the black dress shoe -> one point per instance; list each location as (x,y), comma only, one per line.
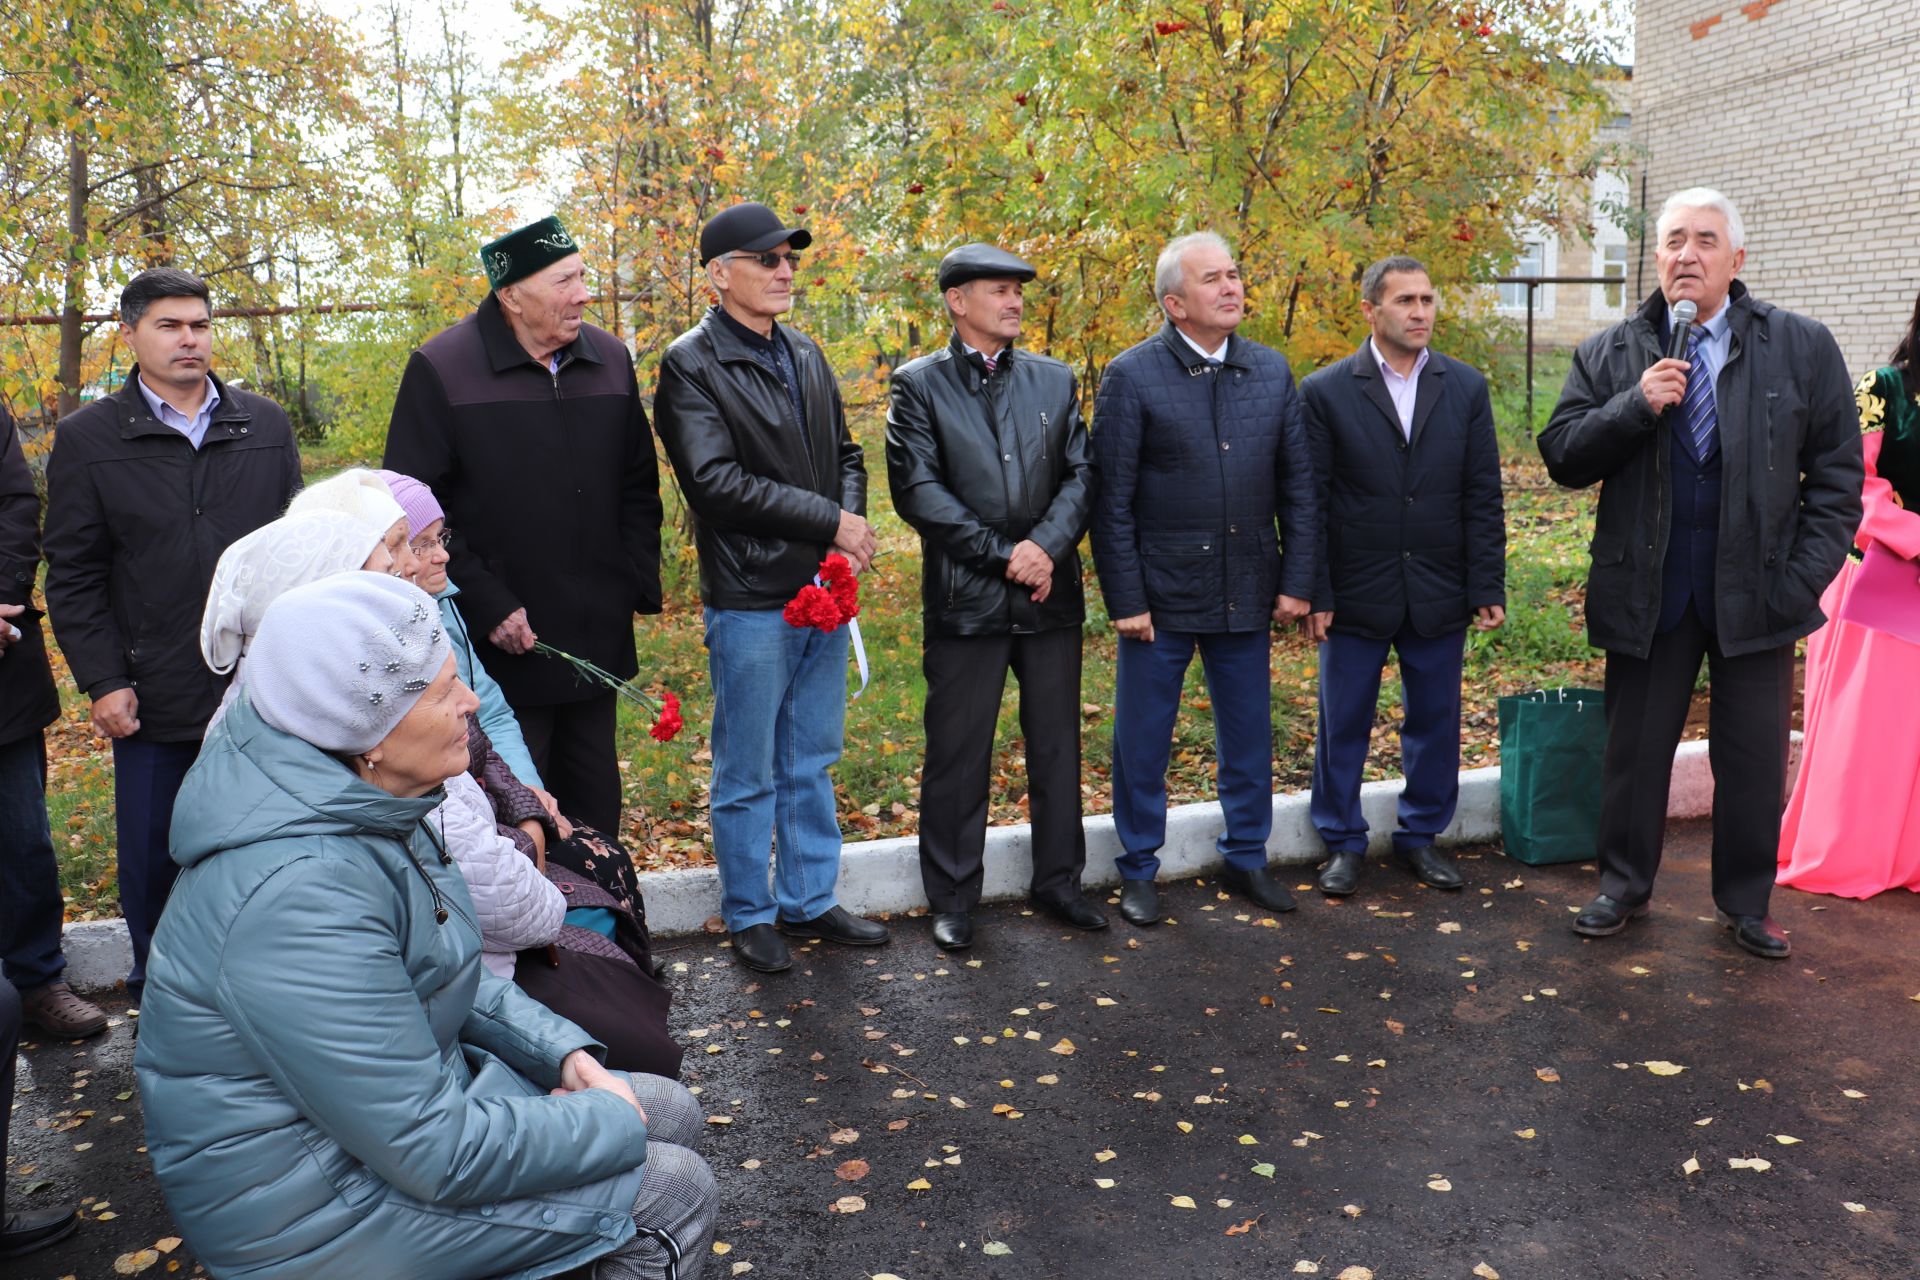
(1076,911)
(1341,874)
(952,930)
(837,924)
(1258,885)
(1139,902)
(25,1231)
(1432,867)
(758,947)
(1604,917)
(1758,935)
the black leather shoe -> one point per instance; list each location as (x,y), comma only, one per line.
(758,947)
(1076,911)
(1258,885)
(1758,935)
(31,1229)
(1341,874)
(1604,917)
(1430,866)
(952,930)
(838,925)
(1139,902)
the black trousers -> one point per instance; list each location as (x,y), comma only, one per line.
(572,746)
(10,1019)
(965,677)
(1752,710)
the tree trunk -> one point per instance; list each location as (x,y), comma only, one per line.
(73,304)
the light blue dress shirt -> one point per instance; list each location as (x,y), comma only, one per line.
(194,428)
(1717,344)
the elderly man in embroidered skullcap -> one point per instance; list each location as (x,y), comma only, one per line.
(526,422)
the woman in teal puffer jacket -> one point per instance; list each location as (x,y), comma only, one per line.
(333,1085)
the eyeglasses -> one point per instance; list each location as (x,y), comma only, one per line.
(420,546)
(771,260)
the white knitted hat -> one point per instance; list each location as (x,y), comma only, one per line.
(358,492)
(274,558)
(340,661)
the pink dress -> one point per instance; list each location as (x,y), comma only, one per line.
(1852,826)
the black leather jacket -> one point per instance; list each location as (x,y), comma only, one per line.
(979,464)
(766,495)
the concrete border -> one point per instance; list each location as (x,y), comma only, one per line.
(884,875)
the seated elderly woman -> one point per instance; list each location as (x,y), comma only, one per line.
(362,494)
(333,1083)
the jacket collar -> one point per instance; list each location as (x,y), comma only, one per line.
(970,369)
(1425,395)
(1192,361)
(1742,308)
(729,345)
(319,780)
(136,416)
(504,350)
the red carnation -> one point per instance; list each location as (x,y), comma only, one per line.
(668,723)
(812,607)
(836,575)
(1169,28)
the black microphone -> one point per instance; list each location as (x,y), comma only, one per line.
(1683,313)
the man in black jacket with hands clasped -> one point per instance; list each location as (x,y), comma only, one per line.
(989,460)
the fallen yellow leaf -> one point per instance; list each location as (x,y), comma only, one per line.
(1524,1133)
(1691,1167)
(841,1137)
(1853,1206)
(919,1184)
(1047,1079)
(1064,1048)
(1103,1156)
(1184,1126)
(996,1249)
(132,1264)
(167,1244)
(722,1247)
(1663,1068)
(1852,1093)
(1486,1272)
(1248,1140)
(1549,1075)
(849,1204)
(1182,1202)
(1105,1184)
(1756,1164)
(1439,1184)
(1784,1140)
(1355,1273)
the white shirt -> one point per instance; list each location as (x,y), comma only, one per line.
(194,428)
(1403,391)
(975,351)
(1219,356)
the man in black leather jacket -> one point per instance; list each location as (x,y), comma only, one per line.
(989,460)
(751,418)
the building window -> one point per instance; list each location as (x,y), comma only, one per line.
(1610,260)
(1533,262)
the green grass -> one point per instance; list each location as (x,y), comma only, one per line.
(878,779)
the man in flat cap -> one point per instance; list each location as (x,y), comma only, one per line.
(750,413)
(989,460)
(526,423)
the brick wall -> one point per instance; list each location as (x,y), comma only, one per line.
(1807,114)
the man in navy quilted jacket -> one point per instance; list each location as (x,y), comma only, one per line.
(1205,481)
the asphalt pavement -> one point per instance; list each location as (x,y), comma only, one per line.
(1405,1084)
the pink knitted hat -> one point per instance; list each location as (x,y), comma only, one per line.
(415,499)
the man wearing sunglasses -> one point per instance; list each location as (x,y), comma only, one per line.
(750,413)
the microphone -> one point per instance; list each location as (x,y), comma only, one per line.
(1683,313)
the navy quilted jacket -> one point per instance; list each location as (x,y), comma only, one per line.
(1205,480)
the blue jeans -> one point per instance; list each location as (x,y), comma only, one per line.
(779,716)
(1147,698)
(1429,737)
(146,778)
(30,905)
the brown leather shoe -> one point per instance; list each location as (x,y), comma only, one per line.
(58,1012)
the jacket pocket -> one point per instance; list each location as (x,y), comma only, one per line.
(1182,572)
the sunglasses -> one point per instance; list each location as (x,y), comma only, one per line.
(771,260)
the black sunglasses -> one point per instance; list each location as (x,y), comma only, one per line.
(771,260)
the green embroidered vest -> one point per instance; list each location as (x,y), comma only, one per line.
(1890,405)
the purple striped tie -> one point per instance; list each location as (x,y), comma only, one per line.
(989,361)
(1702,421)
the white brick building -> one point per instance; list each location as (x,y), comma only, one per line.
(1806,113)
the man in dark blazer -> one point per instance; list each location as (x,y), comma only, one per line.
(526,423)
(1204,482)
(1730,481)
(31,909)
(1408,472)
(990,464)
(145,488)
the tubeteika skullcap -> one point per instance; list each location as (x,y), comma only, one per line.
(519,254)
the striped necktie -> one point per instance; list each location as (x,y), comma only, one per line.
(990,361)
(1702,421)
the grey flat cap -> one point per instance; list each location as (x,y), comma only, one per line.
(981,262)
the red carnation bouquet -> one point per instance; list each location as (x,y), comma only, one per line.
(831,600)
(666,712)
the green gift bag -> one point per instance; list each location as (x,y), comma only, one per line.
(1552,744)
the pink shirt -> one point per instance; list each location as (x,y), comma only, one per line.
(1402,390)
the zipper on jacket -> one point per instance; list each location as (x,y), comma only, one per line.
(1771,397)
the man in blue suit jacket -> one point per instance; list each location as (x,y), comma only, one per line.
(1415,541)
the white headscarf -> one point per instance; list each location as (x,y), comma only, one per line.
(356,491)
(254,571)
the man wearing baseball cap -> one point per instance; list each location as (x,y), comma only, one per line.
(525,421)
(989,461)
(750,413)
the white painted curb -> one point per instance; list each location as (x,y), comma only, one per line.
(884,875)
